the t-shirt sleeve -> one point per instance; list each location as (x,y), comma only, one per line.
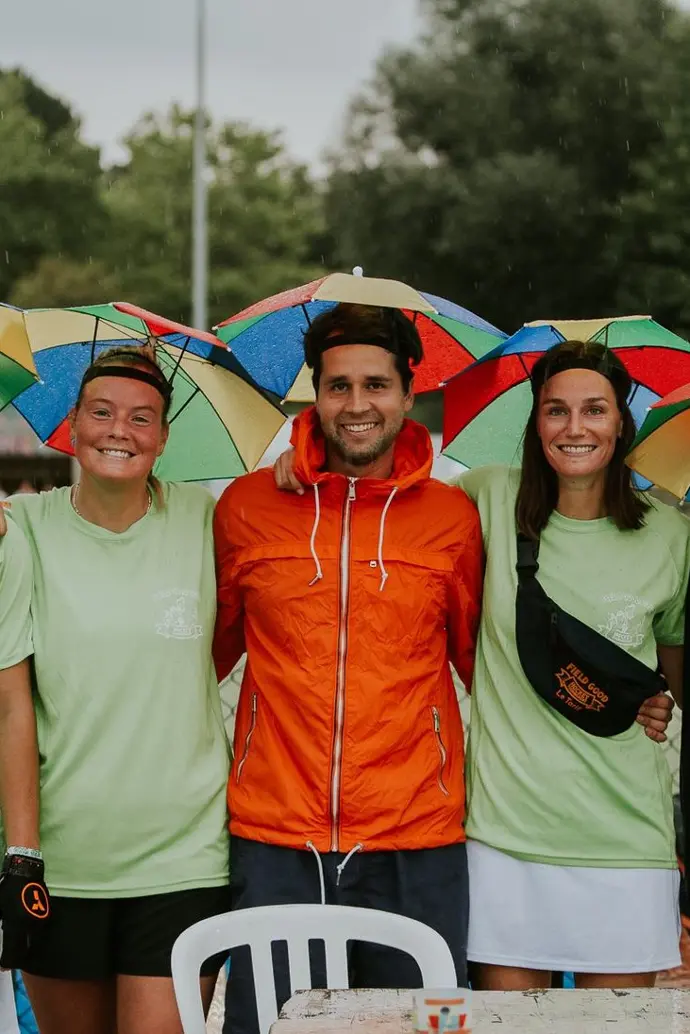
(16,580)
(669,624)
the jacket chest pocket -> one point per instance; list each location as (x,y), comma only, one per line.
(411,586)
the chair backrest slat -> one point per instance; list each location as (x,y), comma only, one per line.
(336,964)
(300,970)
(262,966)
(298,924)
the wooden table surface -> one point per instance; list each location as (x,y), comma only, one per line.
(657,1011)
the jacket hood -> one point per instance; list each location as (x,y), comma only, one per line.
(412,459)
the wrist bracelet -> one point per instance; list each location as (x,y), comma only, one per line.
(24,852)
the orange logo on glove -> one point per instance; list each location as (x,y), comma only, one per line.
(35,901)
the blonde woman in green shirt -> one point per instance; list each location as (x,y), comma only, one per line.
(134,758)
(570,835)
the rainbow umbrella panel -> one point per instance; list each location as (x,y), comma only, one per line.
(661,450)
(220,423)
(17,367)
(267,338)
(486,406)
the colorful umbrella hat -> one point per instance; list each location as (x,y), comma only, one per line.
(220,423)
(17,367)
(267,338)
(486,406)
(661,450)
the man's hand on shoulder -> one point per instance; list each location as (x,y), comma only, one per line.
(655,715)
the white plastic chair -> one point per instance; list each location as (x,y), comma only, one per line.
(335,925)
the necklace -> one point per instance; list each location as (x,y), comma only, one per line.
(75,492)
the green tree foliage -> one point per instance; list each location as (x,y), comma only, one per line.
(72,233)
(50,200)
(264,217)
(62,281)
(653,246)
(490,161)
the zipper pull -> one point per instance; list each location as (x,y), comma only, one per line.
(351,490)
(253,703)
(437,720)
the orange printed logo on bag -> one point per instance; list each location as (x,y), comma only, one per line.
(35,901)
(578,692)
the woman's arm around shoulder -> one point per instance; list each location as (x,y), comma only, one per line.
(671,623)
(18,750)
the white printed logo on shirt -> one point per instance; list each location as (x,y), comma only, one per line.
(625,623)
(180,614)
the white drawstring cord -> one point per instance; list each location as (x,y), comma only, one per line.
(384,572)
(312,541)
(322,882)
(340,868)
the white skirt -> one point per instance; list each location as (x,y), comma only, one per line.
(571,918)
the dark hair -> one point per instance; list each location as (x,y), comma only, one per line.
(137,356)
(364,325)
(538,492)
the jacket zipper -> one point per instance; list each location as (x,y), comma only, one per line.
(342,664)
(443,754)
(248,738)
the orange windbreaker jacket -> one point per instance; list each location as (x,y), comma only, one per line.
(351,600)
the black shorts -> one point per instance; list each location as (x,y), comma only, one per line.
(96,938)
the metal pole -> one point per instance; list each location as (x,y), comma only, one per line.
(199,205)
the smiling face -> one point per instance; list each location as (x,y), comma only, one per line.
(361,404)
(578,423)
(118,428)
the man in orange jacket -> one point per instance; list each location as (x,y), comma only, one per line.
(351,601)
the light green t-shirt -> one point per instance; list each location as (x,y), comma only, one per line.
(15,598)
(539,787)
(134,757)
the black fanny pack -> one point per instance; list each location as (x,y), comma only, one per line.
(579,672)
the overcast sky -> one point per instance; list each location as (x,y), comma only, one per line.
(281,64)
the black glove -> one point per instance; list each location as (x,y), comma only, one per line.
(24,907)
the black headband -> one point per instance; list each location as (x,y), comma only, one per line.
(606,364)
(133,373)
(335,340)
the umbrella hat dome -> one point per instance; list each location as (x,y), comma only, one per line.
(267,337)
(487,404)
(220,422)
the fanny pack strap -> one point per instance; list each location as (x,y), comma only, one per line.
(527,557)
